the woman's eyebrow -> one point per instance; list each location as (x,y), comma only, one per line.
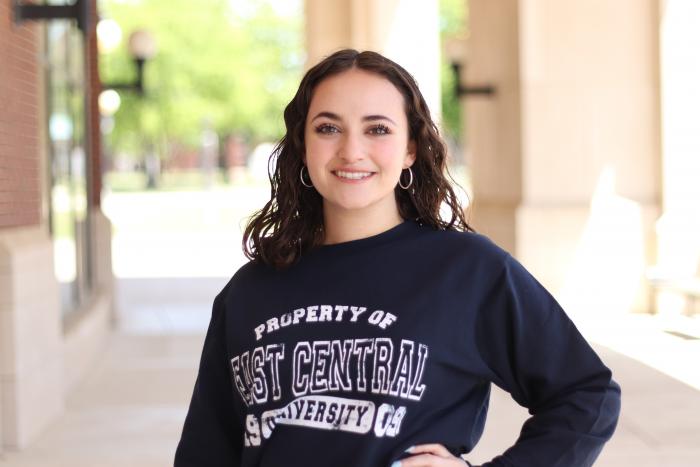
(367,118)
(330,115)
(371,118)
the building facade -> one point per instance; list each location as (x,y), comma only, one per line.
(55,272)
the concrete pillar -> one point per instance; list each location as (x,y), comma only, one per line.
(31,336)
(407,31)
(31,353)
(87,334)
(566,156)
(493,124)
(679,227)
(42,353)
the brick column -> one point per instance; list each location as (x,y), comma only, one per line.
(20,202)
(94,136)
(30,320)
(37,349)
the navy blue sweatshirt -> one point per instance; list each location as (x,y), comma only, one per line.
(367,347)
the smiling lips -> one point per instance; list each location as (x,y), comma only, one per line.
(352,176)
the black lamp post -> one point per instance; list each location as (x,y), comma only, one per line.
(455,50)
(461,90)
(142,47)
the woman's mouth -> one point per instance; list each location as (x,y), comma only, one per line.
(352,175)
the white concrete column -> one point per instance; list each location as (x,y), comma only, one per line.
(493,123)
(31,347)
(41,356)
(101,244)
(679,226)
(407,31)
(566,156)
(87,335)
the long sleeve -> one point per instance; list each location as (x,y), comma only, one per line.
(210,436)
(536,353)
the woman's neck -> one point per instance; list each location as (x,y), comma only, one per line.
(345,226)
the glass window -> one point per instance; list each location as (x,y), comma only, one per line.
(69,162)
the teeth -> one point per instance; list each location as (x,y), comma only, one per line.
(353,175)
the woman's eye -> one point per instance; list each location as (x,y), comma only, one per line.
(379,130)
(326,129)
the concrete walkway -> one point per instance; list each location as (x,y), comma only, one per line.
(130,408)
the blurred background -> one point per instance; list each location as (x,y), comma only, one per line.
(135,137)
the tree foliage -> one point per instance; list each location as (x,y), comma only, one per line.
(217,62)
(453,24)
(232,63)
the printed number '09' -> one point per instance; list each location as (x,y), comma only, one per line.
(388,421)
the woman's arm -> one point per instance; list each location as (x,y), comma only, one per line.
(210,436)
(536,353)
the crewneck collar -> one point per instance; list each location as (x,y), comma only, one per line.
(351,246)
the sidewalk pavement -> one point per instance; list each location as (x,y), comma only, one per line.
(129,410)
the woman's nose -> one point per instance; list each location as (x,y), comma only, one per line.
(351,149)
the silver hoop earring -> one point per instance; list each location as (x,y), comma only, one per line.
(301,177)
(410,179)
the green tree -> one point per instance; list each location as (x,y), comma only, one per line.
(215,62)
(453,24)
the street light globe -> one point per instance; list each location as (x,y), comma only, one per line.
(109,102)
(109,35)
(456,50)
(142,45)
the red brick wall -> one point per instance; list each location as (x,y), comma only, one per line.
(95,87)
(20,202)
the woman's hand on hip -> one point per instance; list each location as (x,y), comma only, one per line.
(430,455)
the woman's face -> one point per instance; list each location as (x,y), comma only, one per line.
(357,143)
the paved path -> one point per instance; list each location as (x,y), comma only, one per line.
(130,408)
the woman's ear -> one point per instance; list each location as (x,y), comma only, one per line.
(410,154)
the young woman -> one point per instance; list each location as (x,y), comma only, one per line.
(371,320)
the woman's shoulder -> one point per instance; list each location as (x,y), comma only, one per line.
(460,242)
(245,277)
(467,255)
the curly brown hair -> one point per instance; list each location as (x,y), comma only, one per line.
(291,223)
